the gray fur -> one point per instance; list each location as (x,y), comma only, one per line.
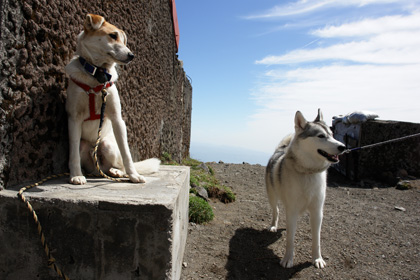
(313,129)
(276,157)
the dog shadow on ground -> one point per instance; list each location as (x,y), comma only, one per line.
(250,257)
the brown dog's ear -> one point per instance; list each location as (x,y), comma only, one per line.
(93,22)
(124,37)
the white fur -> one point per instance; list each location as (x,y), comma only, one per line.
(95,45)
(296,176)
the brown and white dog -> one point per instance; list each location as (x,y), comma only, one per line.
(100,46)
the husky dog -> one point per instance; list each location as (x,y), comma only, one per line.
(296,175)
(100,46)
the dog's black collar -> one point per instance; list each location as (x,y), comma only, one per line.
(98,73)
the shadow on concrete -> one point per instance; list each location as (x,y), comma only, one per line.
(250,257)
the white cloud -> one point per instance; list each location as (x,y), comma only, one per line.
(385,40)
(309,6)
(387,24)
(388,48)
(384,78)
(390,91)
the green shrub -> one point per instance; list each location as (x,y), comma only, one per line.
(166,157)
(211,171)
(229,195)
(223,193)
(199,210)
(201,176)
(193,191)
(193,163)
(194,181)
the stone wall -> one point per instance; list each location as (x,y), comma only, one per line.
(38,38)
(385,162)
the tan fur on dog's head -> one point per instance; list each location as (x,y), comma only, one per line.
(102,43)
(93,22)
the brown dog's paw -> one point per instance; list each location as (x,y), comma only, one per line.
(136,178)
(78,180)
(114,172)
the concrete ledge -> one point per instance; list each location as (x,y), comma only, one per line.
(102,230)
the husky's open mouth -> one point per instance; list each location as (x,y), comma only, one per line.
(332,158)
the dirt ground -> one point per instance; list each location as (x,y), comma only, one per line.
(364,235)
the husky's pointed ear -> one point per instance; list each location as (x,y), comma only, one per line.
(300,121)
(93,22)
(320,117)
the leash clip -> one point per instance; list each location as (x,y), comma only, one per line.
(104,94)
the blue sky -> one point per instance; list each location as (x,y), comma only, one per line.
(253,64)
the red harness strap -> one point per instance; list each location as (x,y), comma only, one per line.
(92,115)
(92,93)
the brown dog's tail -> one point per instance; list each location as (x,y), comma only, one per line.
(147,166)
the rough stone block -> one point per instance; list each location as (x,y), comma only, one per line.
(101,230)
(377,161)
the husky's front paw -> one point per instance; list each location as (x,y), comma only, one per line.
(319,263)
(78,180)
(287,262)
(272,229)
(136,178)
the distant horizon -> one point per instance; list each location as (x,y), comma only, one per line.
(208,152)
(205,152)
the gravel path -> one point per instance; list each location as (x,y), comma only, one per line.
(364,235)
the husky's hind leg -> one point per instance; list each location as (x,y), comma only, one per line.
(274,221)
(275,218)
(274,203)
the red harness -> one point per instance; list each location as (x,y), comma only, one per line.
(92,93)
